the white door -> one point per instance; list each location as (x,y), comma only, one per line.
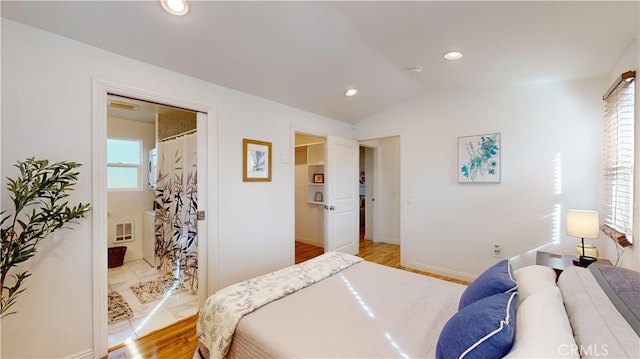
(341,212)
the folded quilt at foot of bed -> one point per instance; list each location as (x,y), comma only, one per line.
(222,311)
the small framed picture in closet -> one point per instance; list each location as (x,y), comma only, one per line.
(256,161)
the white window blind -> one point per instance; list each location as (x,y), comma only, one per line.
(617,211)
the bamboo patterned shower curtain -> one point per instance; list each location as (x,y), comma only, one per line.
(176,244)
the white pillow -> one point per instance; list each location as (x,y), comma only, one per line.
(542,328)
(533,279)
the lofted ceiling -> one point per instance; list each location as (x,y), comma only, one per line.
(306,54)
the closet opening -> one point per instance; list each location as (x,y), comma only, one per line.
(309,196)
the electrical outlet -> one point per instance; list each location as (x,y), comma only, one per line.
(496,250)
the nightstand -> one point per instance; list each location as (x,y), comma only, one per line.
(560,262)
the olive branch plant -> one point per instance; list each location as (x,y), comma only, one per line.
(39,208)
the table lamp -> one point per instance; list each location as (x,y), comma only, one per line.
(583,224)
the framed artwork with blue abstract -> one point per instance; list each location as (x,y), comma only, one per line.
(479,158)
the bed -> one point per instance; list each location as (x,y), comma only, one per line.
(340,306)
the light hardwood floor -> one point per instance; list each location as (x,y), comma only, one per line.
(179,341)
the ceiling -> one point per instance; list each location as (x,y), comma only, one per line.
(142,111)
(306,54)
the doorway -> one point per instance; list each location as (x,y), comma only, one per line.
(326,186)
(207,216)
(152,283)
(309,196)
(380,189)
(366,185)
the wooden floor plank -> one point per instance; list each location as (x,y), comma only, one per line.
(176,341)
(179,340)
(306,251)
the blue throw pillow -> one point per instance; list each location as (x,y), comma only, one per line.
(484,329)
(497,279)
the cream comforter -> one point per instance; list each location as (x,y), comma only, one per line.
(221,312)
(364,311)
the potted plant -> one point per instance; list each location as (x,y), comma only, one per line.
(39,208)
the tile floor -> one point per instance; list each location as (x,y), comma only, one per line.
(150,316)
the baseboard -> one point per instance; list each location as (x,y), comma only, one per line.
(87,354)
(310,241)
(395,241)
(442,271)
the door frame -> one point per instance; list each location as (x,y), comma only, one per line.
(207,147)
(404,197)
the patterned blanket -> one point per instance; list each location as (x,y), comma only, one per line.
(221,312)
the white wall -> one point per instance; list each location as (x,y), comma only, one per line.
(125,206)
(46,112)
(550,162)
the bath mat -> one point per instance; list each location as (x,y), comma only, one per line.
(119,309)
(156,288)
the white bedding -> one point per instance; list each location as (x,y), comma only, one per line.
(599,329)
(365,311)
(222,311)
(371,311)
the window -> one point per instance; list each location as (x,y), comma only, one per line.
(124,164)
(618,159)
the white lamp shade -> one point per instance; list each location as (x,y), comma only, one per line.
(583,224)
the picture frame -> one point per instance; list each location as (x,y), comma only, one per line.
(318,178)
(256,161)
(479,158)
(318,197)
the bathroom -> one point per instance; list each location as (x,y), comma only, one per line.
(139,218)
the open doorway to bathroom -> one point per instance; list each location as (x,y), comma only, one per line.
(152,204)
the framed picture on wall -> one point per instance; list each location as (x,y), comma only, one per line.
(256,161)
(318,197)
(479,158)
(318,178)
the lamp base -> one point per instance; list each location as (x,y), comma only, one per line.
(584,261)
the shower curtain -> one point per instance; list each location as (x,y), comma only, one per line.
(176,243)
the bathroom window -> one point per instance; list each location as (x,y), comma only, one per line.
(124,164)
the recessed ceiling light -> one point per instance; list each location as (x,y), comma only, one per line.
(416,69)
(175,7)
(351,92)
(453,55)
